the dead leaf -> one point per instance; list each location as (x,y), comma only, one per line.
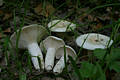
(7,16)
(47,10)
(38,9)
(116,76)
(82,17)
(59,78)
(82,10)
(1,12)
(90,17)
(47,78)
(8,30)
(98,26)
(50,9)
(2,35)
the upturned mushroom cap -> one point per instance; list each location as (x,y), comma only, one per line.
(52,42)
(60,55)
(92,41)
(61,26)
(69,51)
(28,34)
(28,39)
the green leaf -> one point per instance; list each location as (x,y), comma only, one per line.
(99,53)
(100,75)
(115,66)
(115,54)
(75,68)
(22,77)
(87,69)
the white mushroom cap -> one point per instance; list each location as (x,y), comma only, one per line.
(29,36)
(61,26)
(69,51)
(92,41)
(52,42)
(60,54)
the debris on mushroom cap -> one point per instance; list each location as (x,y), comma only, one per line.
(69,51)
(61,26)
(92,41)
(28,34)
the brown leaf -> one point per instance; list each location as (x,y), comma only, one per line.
(98,26)
(2,35)
(116,76)
(47,78)
(47,10)
(59,78)
(38,9)
(81,18)
(1,12)
(90,17)
(7,16)
(8,30)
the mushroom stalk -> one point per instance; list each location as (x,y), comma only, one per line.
(49,59)
(35,52)
(60,65)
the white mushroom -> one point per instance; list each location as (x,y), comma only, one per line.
(92,41)
(51,44)
(61,26)
(60,55)
(29,36)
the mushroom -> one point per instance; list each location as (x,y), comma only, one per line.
(61,26)
(60,55)
(29,36)
(51,44)
(92,41)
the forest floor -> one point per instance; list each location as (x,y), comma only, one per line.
(90,17)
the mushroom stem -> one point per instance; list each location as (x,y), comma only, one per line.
(35,52)
(60,65)
(49,59)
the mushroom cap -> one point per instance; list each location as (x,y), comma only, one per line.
(69,51)
(93,41)
(61,26)
(28,34)
(52,42)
